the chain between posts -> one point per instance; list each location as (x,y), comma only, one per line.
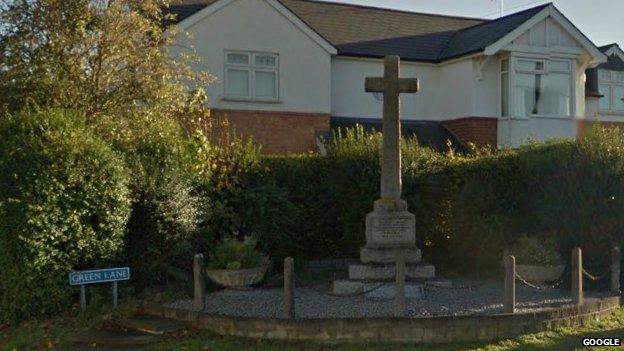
(553,286)
(594,277)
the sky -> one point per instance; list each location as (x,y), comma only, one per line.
(601,20)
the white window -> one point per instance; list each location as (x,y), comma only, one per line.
(540,88)
(251,75)
(611,87)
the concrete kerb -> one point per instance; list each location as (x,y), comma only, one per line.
(443,329)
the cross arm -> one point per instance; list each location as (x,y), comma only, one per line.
(409,85)
(375,85)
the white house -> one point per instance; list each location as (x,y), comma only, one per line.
(290,70)
(605,88)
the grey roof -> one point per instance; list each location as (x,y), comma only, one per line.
(614,62)
(356,30)
(478,37)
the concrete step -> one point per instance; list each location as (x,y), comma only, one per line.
(348,287)
(113,339)
(153,325)
(386,272)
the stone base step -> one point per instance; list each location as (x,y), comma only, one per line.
(153,325)
(388,255)
(351,287)
(113,339)
(368,272)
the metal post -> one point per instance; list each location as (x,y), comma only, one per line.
(199,282)
(83,298)
(615,269)
(509,300)
(115,294)
(577,276)
(399,288)
(289,288)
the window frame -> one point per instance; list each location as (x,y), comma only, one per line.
(514,70)
(613,83)
(252,68)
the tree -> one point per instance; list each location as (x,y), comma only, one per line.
(100,57)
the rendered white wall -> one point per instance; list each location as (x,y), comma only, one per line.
(446,92)
(254,25)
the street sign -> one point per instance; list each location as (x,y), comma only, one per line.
(108,275)
(99,276)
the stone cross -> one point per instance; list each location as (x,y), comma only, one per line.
(391,86)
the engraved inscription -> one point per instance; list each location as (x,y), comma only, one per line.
(391,228)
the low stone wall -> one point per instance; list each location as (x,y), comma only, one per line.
(413,330)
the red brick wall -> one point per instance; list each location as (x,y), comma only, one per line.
(584,125)
(277,132)
(481,131)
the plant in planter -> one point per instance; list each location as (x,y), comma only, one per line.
(237,264)
(538,260)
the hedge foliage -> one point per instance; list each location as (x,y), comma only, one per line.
(469,208)
(163,224)
(64,204)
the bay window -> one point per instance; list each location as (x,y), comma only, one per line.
(250,75)
(611,87)
(536,87)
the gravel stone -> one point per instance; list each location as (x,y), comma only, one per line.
(311,302)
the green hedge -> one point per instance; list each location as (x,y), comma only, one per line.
(469,209)
(64,205)
(163,227)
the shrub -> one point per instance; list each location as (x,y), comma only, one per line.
(163,225)
(64,204)
(533,251)
(234,254)
(469,208)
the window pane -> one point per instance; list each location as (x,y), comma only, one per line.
(265,85)
(505,95)
(526,65)
(525,94)
(237,83)
(605,75)
(619,96)
(238,59)
(560,66)
(265,60)
(605,100)
(554,96)
(620,77)
(543,95)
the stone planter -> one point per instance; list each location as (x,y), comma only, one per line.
(540,274)
(239,279)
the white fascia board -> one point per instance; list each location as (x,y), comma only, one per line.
(281,9)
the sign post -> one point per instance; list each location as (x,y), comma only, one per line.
(109,275)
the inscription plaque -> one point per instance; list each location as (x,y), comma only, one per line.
(389,229)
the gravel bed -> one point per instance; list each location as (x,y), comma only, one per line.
(310,303)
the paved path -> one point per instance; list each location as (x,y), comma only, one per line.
(135,334)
